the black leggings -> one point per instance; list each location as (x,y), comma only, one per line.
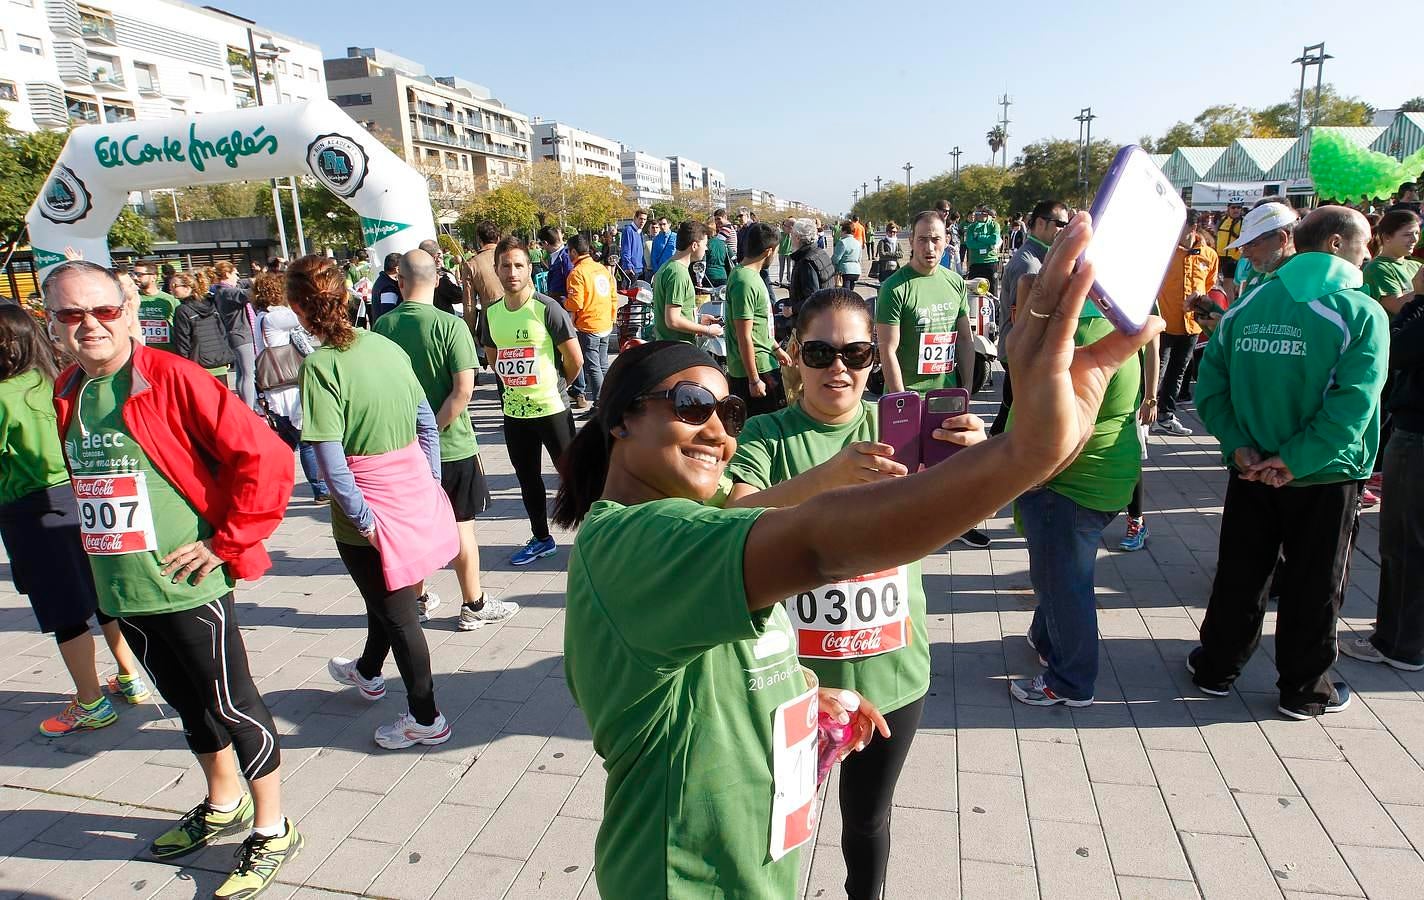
(196,659)
(392,628)
(522,440)
(70,632)
(1134,506)
(867,792)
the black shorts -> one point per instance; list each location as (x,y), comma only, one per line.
(1227,267)
(464,483)
(47,559)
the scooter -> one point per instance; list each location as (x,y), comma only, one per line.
(985,325)
(712,311)
(633,316)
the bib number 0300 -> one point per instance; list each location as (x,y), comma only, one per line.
(855,618)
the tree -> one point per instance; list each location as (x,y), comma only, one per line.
(25,161)
(1179,135)
(1334,110)
(509,207)
(1048,169)
(131,230)
(1218,126)
(673,212)
(1413,104)
(595,201)
(996,137)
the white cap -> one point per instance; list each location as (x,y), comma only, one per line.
(1264,219)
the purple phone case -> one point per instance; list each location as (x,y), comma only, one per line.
(931,450)
(900,426)
(1112,310)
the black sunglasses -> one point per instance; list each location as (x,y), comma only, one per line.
(820,355)
(694,404)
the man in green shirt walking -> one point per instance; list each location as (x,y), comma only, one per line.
(442,355)
(753,358)
(155,308)
(981,240)
(674,299)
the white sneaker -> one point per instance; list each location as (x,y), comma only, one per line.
(343,671)
(492,611)
(406,732)
(426,605)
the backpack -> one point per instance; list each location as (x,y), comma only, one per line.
(211,347)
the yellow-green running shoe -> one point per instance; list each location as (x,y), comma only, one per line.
(200,827)
(131,687)
(259,859)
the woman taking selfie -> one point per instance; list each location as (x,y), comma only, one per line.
(684,663)
(826,440)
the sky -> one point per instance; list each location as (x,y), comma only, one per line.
(809,101)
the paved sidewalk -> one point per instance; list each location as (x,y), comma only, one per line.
(1153,792)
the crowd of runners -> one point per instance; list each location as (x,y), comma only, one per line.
(746,576)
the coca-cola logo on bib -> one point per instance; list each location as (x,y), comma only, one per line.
(864,641)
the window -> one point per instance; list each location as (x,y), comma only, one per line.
(313,74)
(9,92)
(146,77)
(450,161)
(218,85)
(281,67)
(118,112)
(286,98)
(296,71)
(196,82)
(82,110)
(3,44)
(29,44)
(352,99)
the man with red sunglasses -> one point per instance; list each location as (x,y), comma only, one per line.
(178,484)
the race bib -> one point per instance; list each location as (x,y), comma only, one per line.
(517,366)
(853,619)
(793,771)
(155,331)
(937,353)
(115,516)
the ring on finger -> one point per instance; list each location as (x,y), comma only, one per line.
(1039,315)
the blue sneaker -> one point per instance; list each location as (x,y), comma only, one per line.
(534,549)
(1137,534)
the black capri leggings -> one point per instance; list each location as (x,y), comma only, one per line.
(197,660)
(867,792)
(522,440)
(69,632)
(392,628)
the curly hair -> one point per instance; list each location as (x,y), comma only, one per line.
(268,290)
(316,288)
(188,280)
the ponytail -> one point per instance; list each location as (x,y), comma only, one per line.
(583,468)
(1388,224)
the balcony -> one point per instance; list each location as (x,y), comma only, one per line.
(149,86)
(434,112)
(245,101)
(105,78)
(100,30)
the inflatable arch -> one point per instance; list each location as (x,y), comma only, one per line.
(101,164)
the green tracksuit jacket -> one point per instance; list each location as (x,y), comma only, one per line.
(982,241)
(1296,368)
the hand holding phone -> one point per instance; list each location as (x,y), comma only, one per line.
(900,426)
(940,405)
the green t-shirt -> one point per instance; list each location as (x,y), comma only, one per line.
(672,286)
(155,316)
(130,515)
(779,446)
(365,398)
(440,347)
(30,457)
(747,299)
(1104,474)
(1390,277)
(526,342)
(680,685)
(926,308)
(718,260)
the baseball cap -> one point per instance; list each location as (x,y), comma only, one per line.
(1263,219)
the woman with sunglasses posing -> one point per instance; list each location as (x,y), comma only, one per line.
(865,633)
(678,647)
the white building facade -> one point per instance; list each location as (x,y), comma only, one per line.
(648,177)
(67,63)
(714,182)
(577,152)
(686,174)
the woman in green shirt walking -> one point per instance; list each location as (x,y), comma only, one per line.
(827,440)
(678,647)
(39,524)
(1389,276)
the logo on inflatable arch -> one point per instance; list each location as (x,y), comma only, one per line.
(64,199)
(338,162)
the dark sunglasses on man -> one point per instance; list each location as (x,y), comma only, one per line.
(694,404)
(73,316)
(855,355)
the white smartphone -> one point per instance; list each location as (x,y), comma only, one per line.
(1137,222)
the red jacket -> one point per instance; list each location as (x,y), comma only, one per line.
(214,450)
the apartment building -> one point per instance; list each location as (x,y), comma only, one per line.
(686,174)
(648,177)
(67,63)
(453,130)
(714,182)
(751,197)
(577,152)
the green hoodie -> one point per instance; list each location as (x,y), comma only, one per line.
(1296,368)
(982,241)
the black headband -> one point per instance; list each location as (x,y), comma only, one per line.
(638,370)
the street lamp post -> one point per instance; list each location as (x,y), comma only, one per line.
(1084,118)
(877,184)
(257,87)
(909,213)
(956,153)
(1313,55)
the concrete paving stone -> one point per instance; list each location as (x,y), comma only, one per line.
(352,866)
(1405,720)
(561,863)
(1297,848)
(521,820)
(1195,794)
(496,771)
(1139,832)
(1114,754)
(1344,805)
(1131,886)
(997,881)
(1056,783)
(1391,773)
(986,741)
(1410,820)
(430,852)
(995,819)
(1246,760)
(825,874)
(409,802)
(927,781)
(923,857)
(1072,860)
(586,800)
(1163,721)
(324,829)
(1386,874)
(479,877)
(569,749)
(1228,867)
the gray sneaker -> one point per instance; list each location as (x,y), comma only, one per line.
(1364,650)
(1173,426)
(492,611)
(426,605)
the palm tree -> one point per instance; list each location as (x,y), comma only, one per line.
(996,138)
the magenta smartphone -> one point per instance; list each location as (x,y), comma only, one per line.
(939,405)
(900,427)
(1137,222)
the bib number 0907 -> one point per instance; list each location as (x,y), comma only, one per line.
(867,603)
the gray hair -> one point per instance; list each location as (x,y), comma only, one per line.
(804,230)
(80,267)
